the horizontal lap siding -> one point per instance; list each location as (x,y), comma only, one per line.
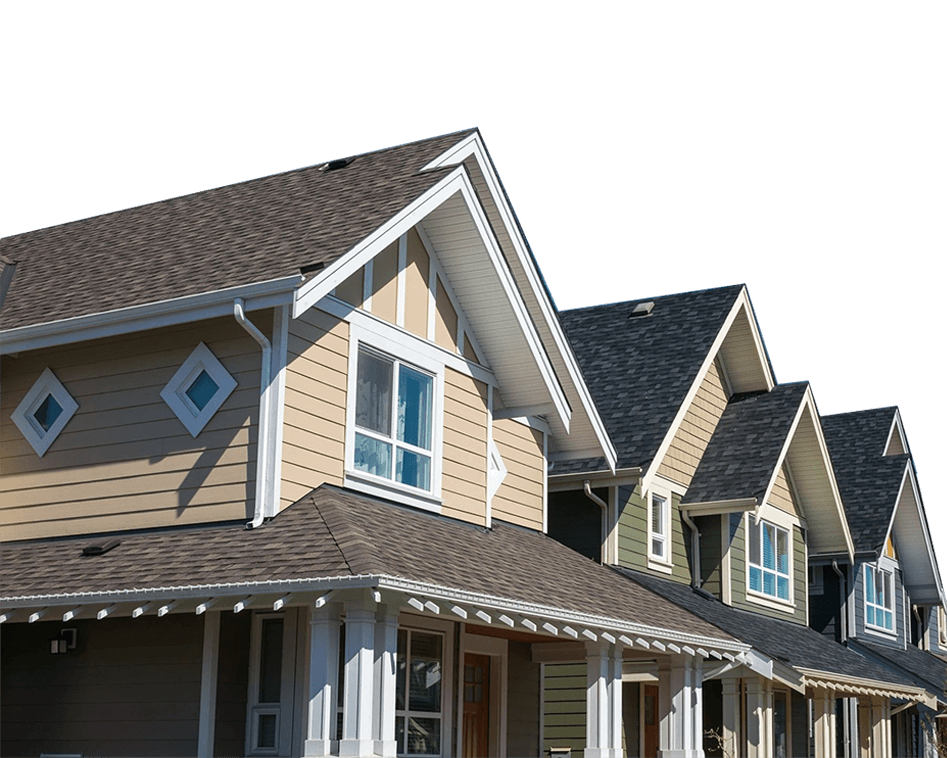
(520,497)
(130,687)
(782,496)
(564,706)
(464,477)
(125,460)
(633,535)
(314,420)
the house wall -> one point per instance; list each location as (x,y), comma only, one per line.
(633,535)
(824,609)
(898,638)
(520,497)
(464,481)
(576,521)
(782,495)
(564,705)
(124,460)
(710,552)
(130,687)
(523,699)
(233,669)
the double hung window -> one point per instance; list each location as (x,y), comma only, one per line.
(394,420)
(879,598)
(419,692)
(659,520)
(768,559)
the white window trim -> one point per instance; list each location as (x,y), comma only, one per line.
(175,391)
(375,485)
(761,598)
(283,709)
(449,671)
(495,476)
(660,562)
(40,439)
(877,628)
(941,626)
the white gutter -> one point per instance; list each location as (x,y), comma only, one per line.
(603,536)
(263,477)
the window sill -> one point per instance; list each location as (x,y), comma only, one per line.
(776,604)
(362,482)
(881,631)
(656,564)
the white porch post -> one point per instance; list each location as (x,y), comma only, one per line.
(386,649)
(681,707)
(208,708)
(324,626)
(359,688)
(731,715)
(603,700)
(759,717)
(824,702)
(880,728)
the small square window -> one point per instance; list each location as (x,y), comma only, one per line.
(44,412)
(198,389)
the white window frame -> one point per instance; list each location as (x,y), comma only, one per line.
(941,626)
(426,361)
(888,572)
(47,385)
(758,596)
(284,709)
(175,391)
(660,562)
(449,671)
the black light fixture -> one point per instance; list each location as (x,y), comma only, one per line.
(65,642)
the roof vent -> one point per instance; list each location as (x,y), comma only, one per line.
(102,549)
(337,164)
(642,309)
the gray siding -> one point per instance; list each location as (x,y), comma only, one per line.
(896,640)
(523,693)
(633,535)
(130,687)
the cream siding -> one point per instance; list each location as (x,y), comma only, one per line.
(314,421)
(445,325)
(520,497)
(385,284)
(692,437)
(125,461)
(464,477)
(782,495)
(417,293)
(352,290)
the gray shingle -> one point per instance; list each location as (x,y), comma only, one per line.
(925,668)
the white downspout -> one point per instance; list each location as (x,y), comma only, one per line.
(263,430)
(843,594)
(603,537)
(695,549)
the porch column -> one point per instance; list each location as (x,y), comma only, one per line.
(359,688)
(880,727)
(759,717)
(681,707)
(324,626)
(731,715)
(603,700)
(386,649)
(824,707)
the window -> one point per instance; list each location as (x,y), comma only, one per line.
(272,666)
(941,626)
(659,519)
(418,692)
(198,389)
(44,412)
(879,598)
(768,559)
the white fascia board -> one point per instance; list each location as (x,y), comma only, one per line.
(455,182)
(741,301)
(909,480)
(205,305)
(473,146)
(896,425)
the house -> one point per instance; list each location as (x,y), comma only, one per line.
(273,481)
(889,602)
(723,495)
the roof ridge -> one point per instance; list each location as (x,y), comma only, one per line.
(357,552)
(863,410)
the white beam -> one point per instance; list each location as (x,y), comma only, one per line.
(240,605)
(282,602)
(165,609)
(37,615)
(416,604)
(141,610)
(458,611)
(107,611)
(484,616)
(72,613)
(550,628)
(205,605)
(506,620)
(321,601)
(432,607)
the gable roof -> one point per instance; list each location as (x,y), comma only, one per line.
(244,233)
(333,533)
(640,370)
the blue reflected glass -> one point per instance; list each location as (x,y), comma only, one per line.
(889,621)
(372,456)
(769,584)
(756,579)
(769,547)
(414,407)
(202,390)
(782,587)
(870,615)
(414,469)
(47,413)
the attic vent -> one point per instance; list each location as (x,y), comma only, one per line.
(337,164)
(101,549)
(642,309)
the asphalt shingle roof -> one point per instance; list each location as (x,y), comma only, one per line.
(243,233)
(926,668)
(640,369)
(744,450)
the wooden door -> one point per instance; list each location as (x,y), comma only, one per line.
(651,723)
(476,706)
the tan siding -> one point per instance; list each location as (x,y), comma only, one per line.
(464,478)
(896,445)
(385,284)
(696,429)
(445,326)
(352,290)
(520,498)
(314,421)
(782,495)
(417,293)
(124,460)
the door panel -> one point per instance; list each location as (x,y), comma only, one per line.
(476,706)
(651,722)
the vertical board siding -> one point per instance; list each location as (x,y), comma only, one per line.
(125,461)
(314,420)
(576,521)
(520,497)
(710,557)
(564,706)
(523,698)
(782,496)
(464,477)
(633,535)
(876,635)
(130,687)
(697,427)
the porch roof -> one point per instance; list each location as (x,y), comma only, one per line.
(927,669)
(333,538)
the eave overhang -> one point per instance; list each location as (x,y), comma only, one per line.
(846,686)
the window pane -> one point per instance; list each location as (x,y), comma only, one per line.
(202,390)
(47,413)
(271,660)
(769,583)
(657,548)
(424,736)
(657,514)
(414,469)
(869,615)
(888,595)
(266,730)
(425,673)
(782,551)
(414,407)
(869,584)
(780,734)
(769,547)
(782,587)
(756,579)
(373,393)
(889,621)
(372,456)
(754,530)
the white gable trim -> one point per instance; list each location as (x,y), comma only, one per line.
(473,146)
(455,182)
(896,426)
(742,301)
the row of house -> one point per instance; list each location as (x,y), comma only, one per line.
(312,465)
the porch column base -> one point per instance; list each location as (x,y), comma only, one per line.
(680,754)
(314,748)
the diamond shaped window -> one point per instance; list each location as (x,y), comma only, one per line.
(198,389)
(44,412)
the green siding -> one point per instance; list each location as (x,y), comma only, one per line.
(633,535)
(564,706)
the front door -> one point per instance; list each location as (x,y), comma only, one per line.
(476,706)
(649,715)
